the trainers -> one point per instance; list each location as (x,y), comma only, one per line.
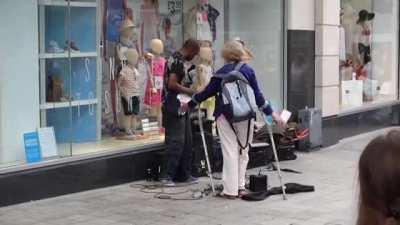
(167,183)
(191,180)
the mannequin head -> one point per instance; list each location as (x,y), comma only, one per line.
(157,46)
(364,16)
(129,14)
(202,2)
(132,57)
(127,29)
(206,55)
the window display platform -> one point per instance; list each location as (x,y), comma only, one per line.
(78,173)
(353,123)
(368,106)
(113,144)
(107,146)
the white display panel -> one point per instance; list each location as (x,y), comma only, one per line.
(19,83)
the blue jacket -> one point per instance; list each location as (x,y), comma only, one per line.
(214,87)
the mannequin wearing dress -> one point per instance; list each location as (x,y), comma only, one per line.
(156,79)
(363,36)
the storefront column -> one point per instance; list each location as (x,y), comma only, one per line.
(300,54)
(327,89)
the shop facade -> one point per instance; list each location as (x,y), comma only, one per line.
(356,66)
(63,94)
(63,125)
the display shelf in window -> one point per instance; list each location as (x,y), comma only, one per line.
(65,3)
(66,55)
(55,105)
(70,83)
(63,29)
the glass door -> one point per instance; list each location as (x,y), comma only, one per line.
(55,74)
(86,106)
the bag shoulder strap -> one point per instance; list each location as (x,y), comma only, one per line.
(241,146)
(236,71)
(239,66)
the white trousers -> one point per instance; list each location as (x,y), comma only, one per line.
(235,161)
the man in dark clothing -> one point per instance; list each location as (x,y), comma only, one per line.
(178,134)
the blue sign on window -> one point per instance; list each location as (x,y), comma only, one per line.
(32,147)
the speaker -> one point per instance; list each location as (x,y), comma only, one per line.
(258,183)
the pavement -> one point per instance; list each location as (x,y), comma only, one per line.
(331,170)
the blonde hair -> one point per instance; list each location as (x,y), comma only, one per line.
(233,51)
(248,54)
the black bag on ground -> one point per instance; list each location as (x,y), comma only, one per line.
(291,188)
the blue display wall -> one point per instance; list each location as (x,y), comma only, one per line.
(75,118)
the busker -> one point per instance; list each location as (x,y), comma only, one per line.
(178,133)
(235,136)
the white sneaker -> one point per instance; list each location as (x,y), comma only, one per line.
(54,47)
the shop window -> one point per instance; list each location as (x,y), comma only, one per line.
(368,52)
(101,67)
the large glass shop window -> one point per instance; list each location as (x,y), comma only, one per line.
(140,36)
(93,70)
(368,52)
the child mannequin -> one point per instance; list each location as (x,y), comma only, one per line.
(156,79)
(130,91)
(127,39)
(203,77)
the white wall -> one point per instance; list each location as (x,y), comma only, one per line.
(19,83)
(301,14)
(327,22)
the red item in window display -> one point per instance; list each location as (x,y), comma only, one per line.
(361,73)
(154,88)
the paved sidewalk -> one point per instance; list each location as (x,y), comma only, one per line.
(332,171)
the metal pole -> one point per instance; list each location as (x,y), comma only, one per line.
(271,136)
(206,151)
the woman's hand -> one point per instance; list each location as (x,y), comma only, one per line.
(278,120)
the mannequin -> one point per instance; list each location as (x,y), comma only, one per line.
(203,76)
(364,36)
(201,22)
(150,23)
(156,79)
(130,91)
(127,39)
